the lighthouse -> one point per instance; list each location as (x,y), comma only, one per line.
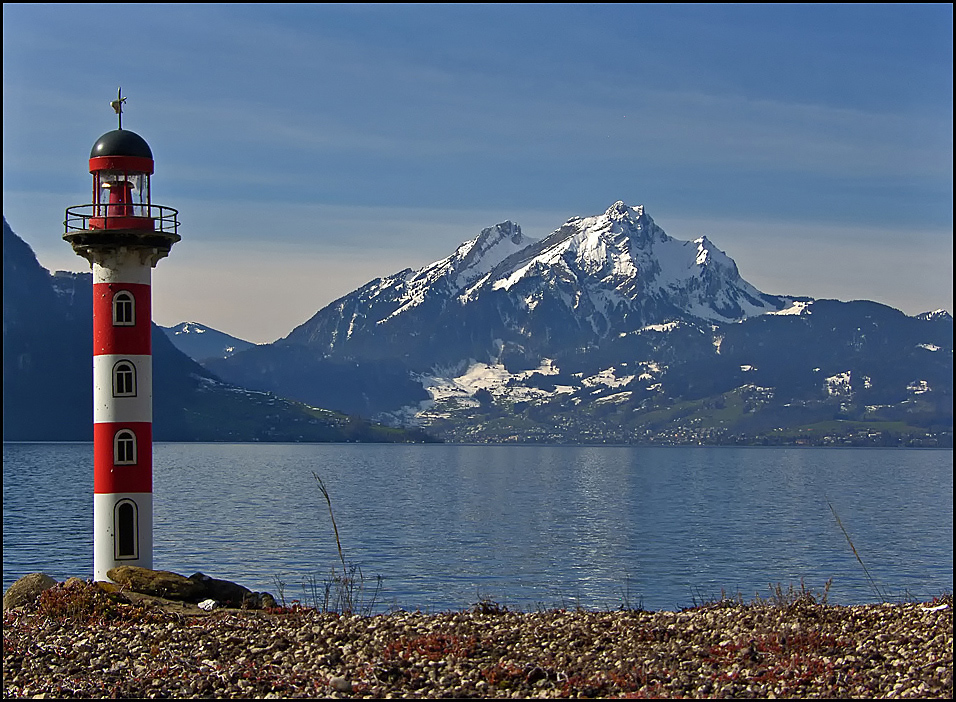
(123,235)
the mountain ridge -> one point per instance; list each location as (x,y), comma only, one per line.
(48,374)
(598,331)
(604,274)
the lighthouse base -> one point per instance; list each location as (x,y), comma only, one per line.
(122,531)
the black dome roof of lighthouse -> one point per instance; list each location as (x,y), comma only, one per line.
(121,142)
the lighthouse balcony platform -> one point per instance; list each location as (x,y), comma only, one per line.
(98,227)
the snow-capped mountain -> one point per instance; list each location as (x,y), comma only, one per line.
(592,279)
(201,343)
(403,306)
(935,315)
(608,329)
(622,261)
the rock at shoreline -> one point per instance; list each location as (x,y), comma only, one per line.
(196,588)
(224,592)
(26,590)
(159,583)
(153,583)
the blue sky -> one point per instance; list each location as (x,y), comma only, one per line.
(311,148)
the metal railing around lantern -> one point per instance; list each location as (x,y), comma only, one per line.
(93,217)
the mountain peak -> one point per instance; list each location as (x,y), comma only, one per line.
(626,222)
(939,314)
(189,328)
(508,233)
(511,230)
(477,257)
(620,211)
(201,342)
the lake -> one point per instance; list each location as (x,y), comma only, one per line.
(525,526)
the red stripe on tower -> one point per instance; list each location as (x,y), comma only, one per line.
(122,457)
(130,299)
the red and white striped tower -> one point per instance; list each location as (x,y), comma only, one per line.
(123,235)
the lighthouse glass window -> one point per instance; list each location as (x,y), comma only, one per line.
(124,309)
(124,379)
(124,448)
(122,194)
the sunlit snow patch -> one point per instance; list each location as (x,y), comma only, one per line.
(798,307)
(615,398)
(607,378)
(839,385)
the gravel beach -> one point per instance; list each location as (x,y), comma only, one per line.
(112,647)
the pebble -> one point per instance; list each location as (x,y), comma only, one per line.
(764,650)
(340,683)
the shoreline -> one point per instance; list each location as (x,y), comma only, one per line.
(796,648)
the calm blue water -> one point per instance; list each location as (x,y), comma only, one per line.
(525,526)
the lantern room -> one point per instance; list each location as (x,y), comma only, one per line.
(122,215)
(121,163)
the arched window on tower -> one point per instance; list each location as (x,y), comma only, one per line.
(124,379)
(126,530)
(124,448)
(124,309)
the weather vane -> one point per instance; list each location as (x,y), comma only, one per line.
(117,105)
